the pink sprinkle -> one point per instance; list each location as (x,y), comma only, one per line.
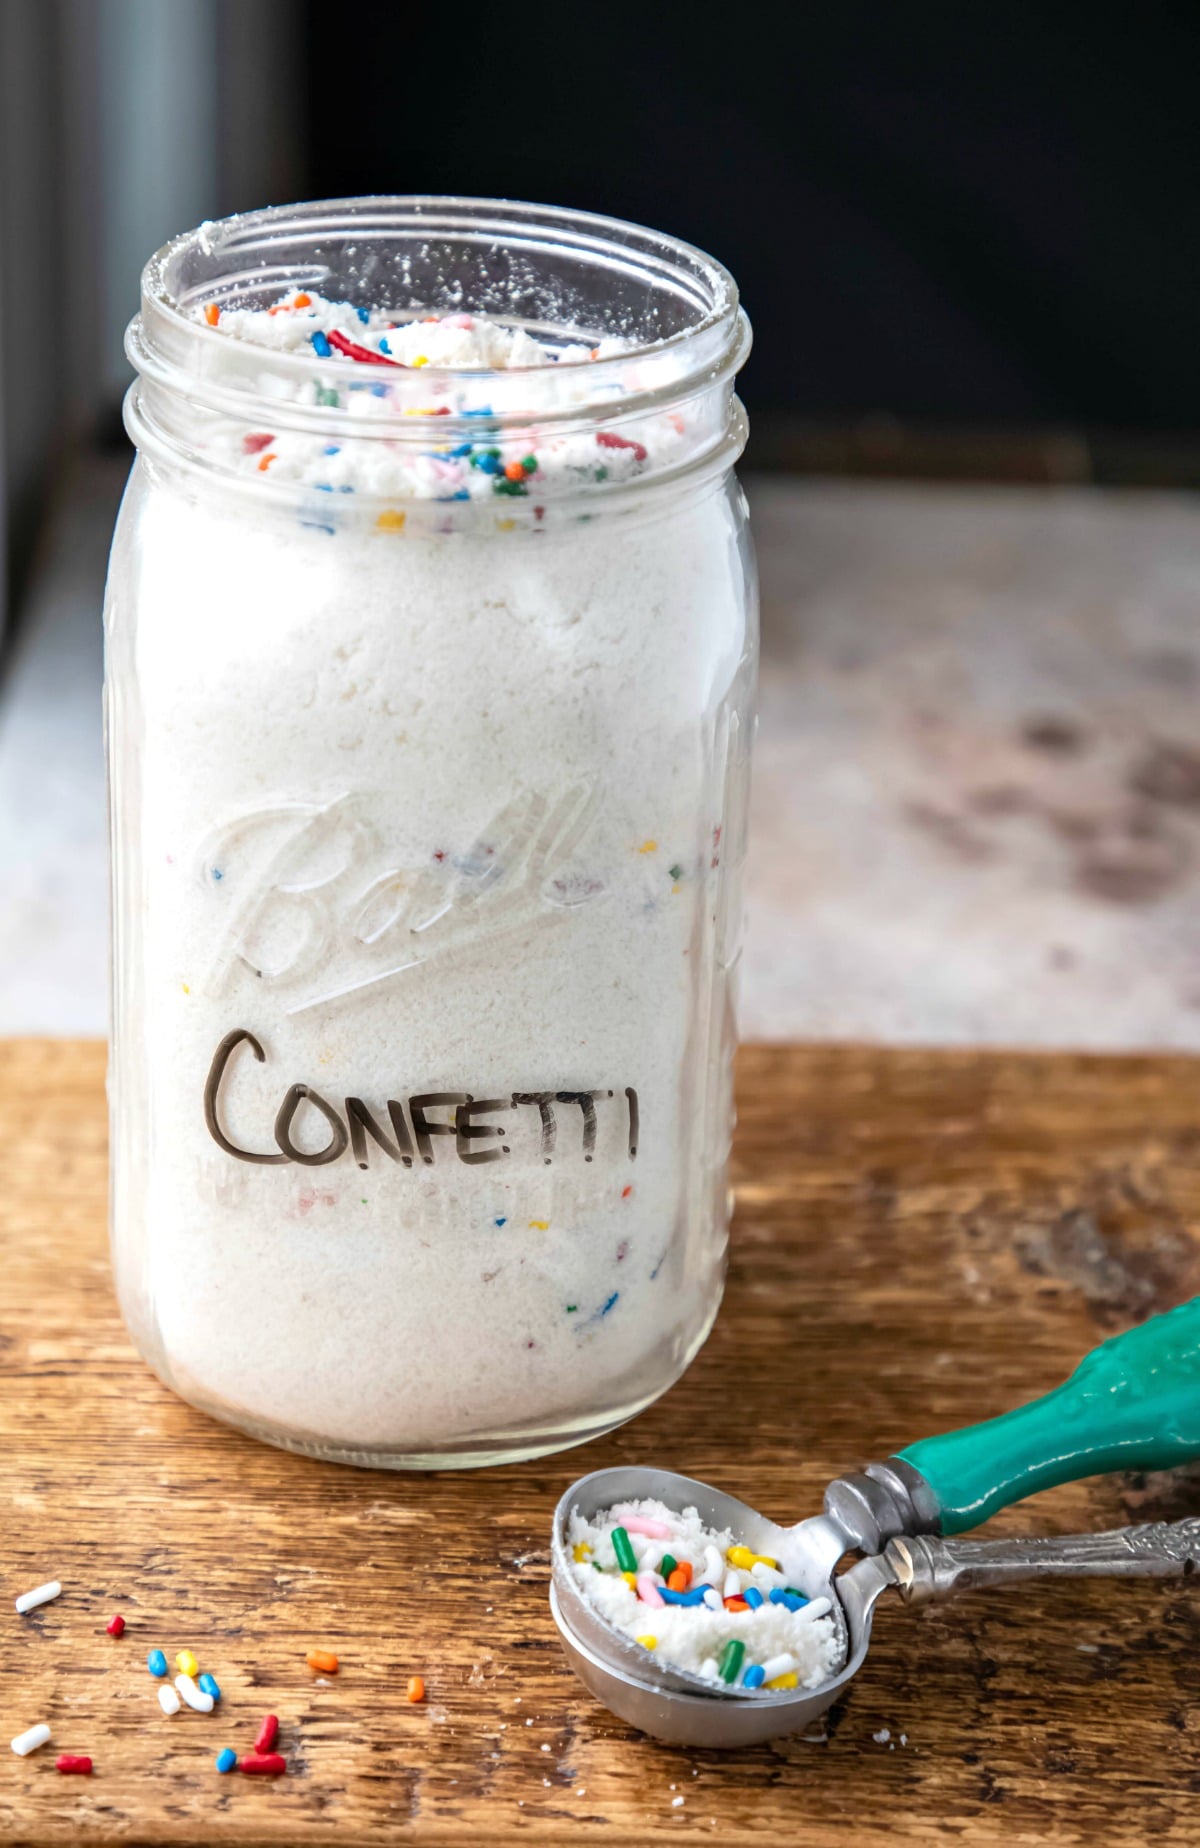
(641,1524)
(253,445)
(648,1591)
(459,320)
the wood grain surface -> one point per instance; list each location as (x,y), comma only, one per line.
(921,1239)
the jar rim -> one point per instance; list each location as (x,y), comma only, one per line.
(655,278)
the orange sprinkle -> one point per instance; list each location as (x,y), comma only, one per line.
(514,472)
(266,462)
(302,300)
(627,1190)
(212,314)
(322,1662)
(681,1578)
(416,1688)
(731,1604)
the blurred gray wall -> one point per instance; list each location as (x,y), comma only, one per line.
(122,122)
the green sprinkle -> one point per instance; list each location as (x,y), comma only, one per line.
(600,474)
(572,1308)
(327,395)
(529,464)
(675,872)
(626,1557)
(502,485)
(732,1657)
(668,1564)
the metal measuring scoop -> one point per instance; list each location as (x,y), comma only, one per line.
(1132,1403)
(684,1709)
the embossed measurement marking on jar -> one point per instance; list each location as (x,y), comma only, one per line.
(412,1135)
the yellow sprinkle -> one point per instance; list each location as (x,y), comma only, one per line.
(648,1642)
(186,1662)
(743,1559)
(785,1681)
(506,526)
(391,520)
(186,989)
(581,1551)
(677,887)
(630,1579)
(648,847)
(539,1225)
(420,360)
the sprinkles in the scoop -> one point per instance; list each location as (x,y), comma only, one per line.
(701,1600)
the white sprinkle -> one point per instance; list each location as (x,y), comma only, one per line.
(767,1575)
(882,1737)
(904,1738)
(1088,1648)
(194,1696)
(709,1669)
(529,1722)
(27,1742)
(582,1791)
(712,1599)
(733,1585)
(675,1802)
(168,1699)
(545,1748)
(714,1565)
(778,1665)
(816,1607)
(546,1782)
(41,1594)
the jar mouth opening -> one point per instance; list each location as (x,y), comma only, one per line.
(563,276)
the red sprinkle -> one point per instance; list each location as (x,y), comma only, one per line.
(255,444)
(268,1732)
(352,350)
(72,1766)
(608,439)
(116,1625)
(262,1764)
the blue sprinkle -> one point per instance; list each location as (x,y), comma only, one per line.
(385,348)
(217,873)
(379,391)
(156,1662)
(796,1599)
(753,1597)
(778,1596)
(489,465)
(226,1760)
(612,1299)
(364,315)
(321,346)
(322,487)
(462,494)
(502,1222)
(689,1598)
(754,1677)
(332,449)
(464,449)
(209,1686)
(483,410)
(345,488)
(316,527)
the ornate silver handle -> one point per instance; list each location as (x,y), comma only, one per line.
(927,1568)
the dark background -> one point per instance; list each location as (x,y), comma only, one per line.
(953,214)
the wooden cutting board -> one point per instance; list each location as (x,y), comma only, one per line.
(921,1239)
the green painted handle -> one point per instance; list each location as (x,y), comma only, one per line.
(1134,1403)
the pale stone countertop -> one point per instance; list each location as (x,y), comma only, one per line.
(976,805)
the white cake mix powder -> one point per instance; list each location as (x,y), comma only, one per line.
(742,1624)
(442,816)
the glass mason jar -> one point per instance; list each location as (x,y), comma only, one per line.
(427,809)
